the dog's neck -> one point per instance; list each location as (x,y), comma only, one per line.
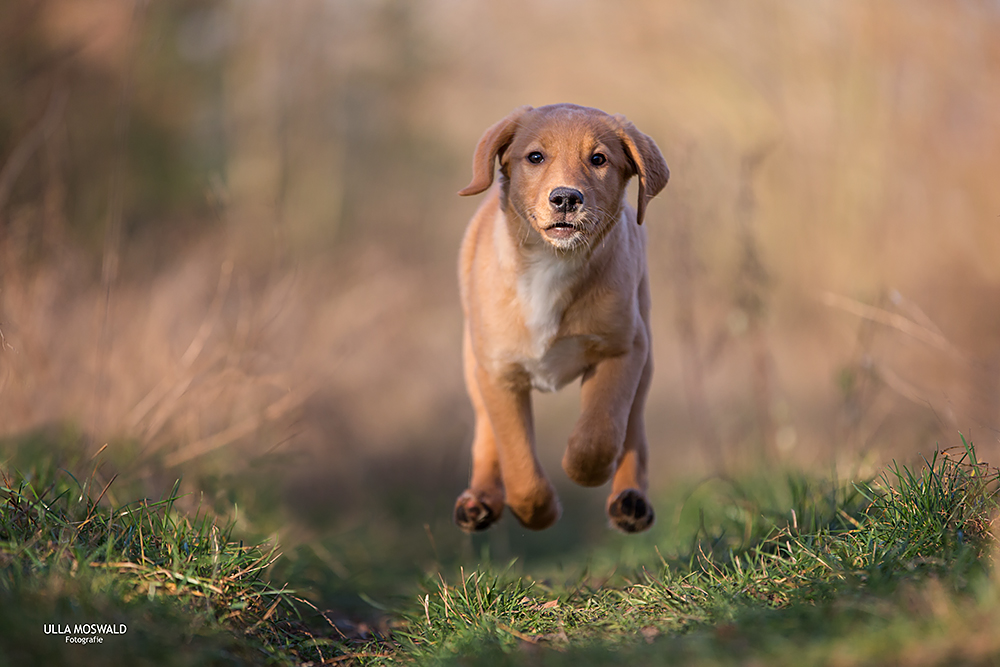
(548,279)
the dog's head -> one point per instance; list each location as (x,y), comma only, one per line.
(565,167)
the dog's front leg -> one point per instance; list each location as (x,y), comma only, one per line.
(607,392)
(505,468)
(609,439)
(528,492)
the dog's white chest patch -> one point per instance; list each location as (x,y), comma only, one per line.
(545,291)
(563,361)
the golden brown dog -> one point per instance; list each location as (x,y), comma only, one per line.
(554,286)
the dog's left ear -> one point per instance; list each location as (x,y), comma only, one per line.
(492,144)
(647,161)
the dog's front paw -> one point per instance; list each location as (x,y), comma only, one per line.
(590,456)
(536,511)
(474,513)
(630,511)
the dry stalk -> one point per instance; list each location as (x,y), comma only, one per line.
(921,332)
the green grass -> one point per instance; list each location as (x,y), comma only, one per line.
(185,590)
(893,571)
(784,569)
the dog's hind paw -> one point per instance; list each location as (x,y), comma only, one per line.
(473,514)
(630,511)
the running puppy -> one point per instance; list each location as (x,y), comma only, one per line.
(554,286)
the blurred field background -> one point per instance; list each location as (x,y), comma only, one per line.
(228,234)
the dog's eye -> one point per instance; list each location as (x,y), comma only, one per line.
(597,159)
(534,157)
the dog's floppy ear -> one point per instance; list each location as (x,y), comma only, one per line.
(492,145)
(648,162)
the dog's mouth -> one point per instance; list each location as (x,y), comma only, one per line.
(562,231)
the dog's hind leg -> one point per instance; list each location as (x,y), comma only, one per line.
(628,506)
(481,505)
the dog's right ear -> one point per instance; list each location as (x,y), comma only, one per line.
(492,145)
(647,162)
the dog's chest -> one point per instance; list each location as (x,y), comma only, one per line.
(545,291)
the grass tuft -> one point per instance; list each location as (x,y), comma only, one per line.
(68,559)
(863,572)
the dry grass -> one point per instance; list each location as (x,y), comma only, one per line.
(306,300)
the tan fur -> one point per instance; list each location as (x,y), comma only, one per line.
(554,288)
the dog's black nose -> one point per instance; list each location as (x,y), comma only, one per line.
(566,200)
